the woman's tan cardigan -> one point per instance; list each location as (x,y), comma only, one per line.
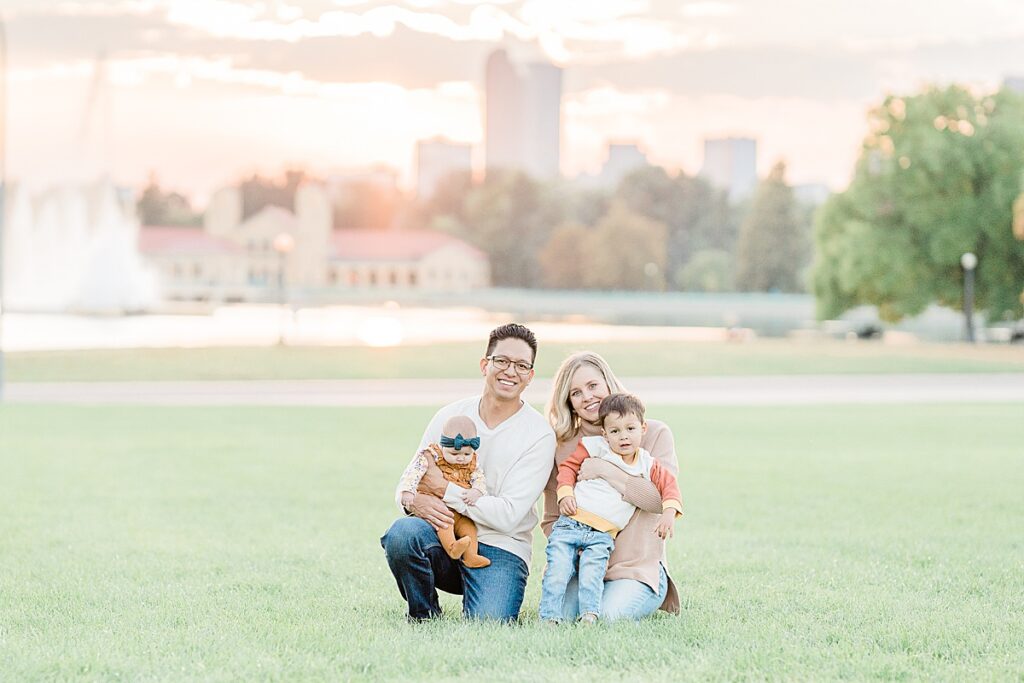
(638,550)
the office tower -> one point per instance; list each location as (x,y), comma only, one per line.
(731,164)
(436,159)
(522,116)
(623,159)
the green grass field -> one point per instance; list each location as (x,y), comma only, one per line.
(639,359)
(240,544)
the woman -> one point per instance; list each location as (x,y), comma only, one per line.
(636,583)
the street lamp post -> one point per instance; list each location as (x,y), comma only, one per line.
(283,245)
(969,262)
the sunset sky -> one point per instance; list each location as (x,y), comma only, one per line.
(201,91)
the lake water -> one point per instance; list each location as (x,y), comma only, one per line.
(264,325)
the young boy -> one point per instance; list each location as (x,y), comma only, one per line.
(593,512)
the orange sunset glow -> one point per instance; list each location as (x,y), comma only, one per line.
(202,91)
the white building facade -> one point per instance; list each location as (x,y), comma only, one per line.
(233,260)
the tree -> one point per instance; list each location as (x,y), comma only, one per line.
(937,176)
(366,204)
(156,207)
(628,251)
(449,196)
(710,270)
(773,245)
(696,216)
(565,259)
(509,216)
(259,192)
(585,206)
(445,205)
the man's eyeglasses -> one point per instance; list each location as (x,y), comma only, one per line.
(502,363)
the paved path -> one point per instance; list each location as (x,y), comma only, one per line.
(764,390)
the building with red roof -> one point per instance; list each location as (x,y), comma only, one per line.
(251,260)
(419,259)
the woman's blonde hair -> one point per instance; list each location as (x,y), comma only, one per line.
(564,420)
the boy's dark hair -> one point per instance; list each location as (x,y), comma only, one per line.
(512,331)
(620,404)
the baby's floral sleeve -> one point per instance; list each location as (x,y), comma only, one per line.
(478,481)
(410,480)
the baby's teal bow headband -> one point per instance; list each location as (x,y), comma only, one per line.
(459,441)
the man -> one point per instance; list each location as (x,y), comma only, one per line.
(516,454)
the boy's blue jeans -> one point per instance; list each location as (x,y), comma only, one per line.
(568,537)
(421,566)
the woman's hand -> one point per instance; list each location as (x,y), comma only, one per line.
(595,468)
(433,482)
(432,510)
(471,497)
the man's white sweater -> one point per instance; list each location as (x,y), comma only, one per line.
(516,457)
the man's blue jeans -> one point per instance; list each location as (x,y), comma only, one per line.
(568,537)
(421,566)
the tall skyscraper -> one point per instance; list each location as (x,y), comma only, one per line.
(436,159)
(731,164)
(523,117)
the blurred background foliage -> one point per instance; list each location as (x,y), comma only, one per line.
(938,176)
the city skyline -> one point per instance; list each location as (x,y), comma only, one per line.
(203,92)
(522,109)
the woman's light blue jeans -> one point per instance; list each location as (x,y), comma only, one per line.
(623,599)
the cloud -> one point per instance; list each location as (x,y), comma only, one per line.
(711,8)
(227,19)
(824,73)
(567,31)
(227,121)
(868,24)
(408,57)
(422,49)
(203,88)
(748,72)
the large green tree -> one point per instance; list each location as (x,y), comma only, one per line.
(774,243)
(937,177)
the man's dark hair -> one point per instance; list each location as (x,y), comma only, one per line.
(512,331)
(620,404)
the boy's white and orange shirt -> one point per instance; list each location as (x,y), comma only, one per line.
(599,505)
